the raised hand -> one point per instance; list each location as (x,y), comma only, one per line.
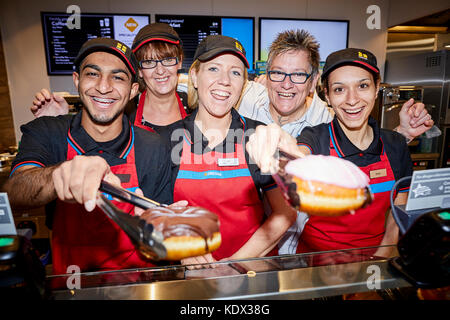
(414,119)
(46,103)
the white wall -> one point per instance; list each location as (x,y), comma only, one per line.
(23,41)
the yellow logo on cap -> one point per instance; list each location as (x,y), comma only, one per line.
(131,24)
(238,46)
(362,55)
(121,47)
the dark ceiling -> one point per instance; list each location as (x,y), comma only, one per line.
(439,19)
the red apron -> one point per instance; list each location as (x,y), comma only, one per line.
(228,191)
(91,240)
(140,111)
(365,228)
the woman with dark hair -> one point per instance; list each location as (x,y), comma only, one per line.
(351,81)
(158,49)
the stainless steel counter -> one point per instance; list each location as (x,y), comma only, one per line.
(305,276)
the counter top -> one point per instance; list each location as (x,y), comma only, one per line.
(302,276)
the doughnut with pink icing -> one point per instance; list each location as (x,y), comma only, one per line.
(329,186)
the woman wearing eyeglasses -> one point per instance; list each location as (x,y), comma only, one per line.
(158,49)
(292,103)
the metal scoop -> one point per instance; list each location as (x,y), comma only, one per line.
(128,196)
(284,181)
(148,240)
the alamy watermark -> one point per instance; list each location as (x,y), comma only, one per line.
(374,20)
(374,280)
(74,20)
(74,280)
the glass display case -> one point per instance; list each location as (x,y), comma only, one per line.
(343,274)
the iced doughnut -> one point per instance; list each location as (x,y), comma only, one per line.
(328,186)
(187,231)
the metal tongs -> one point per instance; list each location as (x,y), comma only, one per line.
(128,196)
(284,180)
(148,240)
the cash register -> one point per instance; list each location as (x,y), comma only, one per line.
(22,274)
(424,223)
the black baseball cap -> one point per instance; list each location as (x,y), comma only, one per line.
(117,48)
(156,32)
(214,45)
(350,56)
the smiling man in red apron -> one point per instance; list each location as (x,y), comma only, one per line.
(159,50)
(64,159)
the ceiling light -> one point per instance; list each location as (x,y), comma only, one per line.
(418,29)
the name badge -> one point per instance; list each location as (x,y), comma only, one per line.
(228,162)
(378,173)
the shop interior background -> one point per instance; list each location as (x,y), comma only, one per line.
(23,44)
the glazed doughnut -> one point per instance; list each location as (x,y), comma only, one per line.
(328,186)
(187,231)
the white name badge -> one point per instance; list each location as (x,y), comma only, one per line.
(228,162)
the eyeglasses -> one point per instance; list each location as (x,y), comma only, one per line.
(166,62)
(295,77)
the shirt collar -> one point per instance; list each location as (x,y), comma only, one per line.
(346,147)
(195,136)
(82,141)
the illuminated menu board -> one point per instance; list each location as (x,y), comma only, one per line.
(332,35)
(193,29)
(63,43)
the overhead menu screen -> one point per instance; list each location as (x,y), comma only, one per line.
(332,35)
(193,29)
(63,41)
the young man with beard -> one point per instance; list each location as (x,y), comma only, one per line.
(290,101)
(63,159)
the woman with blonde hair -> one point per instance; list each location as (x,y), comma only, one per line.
(212,168)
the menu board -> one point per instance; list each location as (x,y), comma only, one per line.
(193,29)
(332,35)
(63,43)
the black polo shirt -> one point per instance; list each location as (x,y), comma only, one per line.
(45,142)
(240,130)
(317,138)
